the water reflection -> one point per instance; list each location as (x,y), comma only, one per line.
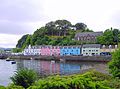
(52,67)
(45,68)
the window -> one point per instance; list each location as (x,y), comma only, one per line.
(69,47)
(74,47)
(89,50)
(65,47)
(83,50)
(96,50)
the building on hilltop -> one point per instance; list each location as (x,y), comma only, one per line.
(88,37)
(91,49)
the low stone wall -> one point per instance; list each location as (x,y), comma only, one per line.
(87,58)
(66,58)
(34,57)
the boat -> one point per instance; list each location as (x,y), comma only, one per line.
(13,62)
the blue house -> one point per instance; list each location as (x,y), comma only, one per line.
(70,50)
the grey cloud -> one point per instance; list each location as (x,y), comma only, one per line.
(115,19)
(15,15)
(21,10)
(14,28)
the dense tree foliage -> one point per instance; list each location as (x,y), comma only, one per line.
(23,42)
(58,27)
(110,36)
(57,32)
(114,64)
(80,26)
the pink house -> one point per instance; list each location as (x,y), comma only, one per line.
(55,51)
(46,50)
(50,50)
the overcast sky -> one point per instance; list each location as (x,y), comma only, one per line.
(19,17)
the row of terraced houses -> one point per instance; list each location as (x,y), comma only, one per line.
(85,50)
(80,50)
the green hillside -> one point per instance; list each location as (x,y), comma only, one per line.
(62,32)
(59,32)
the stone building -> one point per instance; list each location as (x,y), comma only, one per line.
(88,37)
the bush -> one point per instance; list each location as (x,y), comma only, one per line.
(12,86)
(24,77)
(89,80)
(2,87)
(114,64)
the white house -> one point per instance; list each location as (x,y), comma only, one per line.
(32,50)
(91,49)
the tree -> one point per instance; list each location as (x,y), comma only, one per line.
(50,27)
(22,41)
(24,77)
(115,34)
(114,64)
(80,26)
(16,50)
(107,37)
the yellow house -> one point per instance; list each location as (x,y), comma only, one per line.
(110,48)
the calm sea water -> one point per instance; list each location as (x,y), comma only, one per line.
(7,69)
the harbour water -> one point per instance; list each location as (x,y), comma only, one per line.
(7,69)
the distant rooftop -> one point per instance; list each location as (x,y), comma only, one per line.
(91,46)
(89,33)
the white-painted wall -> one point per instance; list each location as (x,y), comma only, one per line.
(32,51)
(90,51)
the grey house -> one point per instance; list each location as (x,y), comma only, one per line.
(88,36)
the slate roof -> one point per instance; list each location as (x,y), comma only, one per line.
(89,33)
(91,46)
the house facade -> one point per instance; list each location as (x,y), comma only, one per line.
(87,37)
(70,50)
(55,51)
(32,50)
(107,49)
(91,49)
(46,50)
